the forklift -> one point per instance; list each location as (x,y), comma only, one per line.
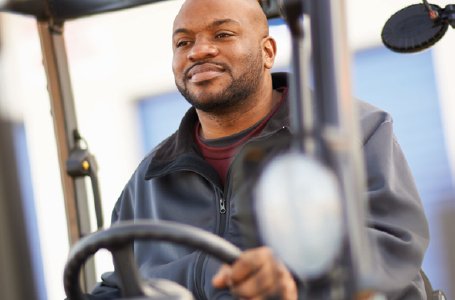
(325,37)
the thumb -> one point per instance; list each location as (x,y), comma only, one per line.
(222,278)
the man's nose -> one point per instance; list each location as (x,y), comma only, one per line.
(202,49)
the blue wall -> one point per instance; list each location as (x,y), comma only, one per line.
(405,86)
(159,116)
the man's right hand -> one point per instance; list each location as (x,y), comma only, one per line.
(257,275)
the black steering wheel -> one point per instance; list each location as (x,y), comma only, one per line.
(119,239)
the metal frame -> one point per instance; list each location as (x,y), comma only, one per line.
(65,127)
(326,123)
(336,109)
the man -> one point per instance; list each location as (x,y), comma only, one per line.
(223,55)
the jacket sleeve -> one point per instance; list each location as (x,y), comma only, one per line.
(396,220)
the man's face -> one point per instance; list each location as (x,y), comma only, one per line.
(218,57)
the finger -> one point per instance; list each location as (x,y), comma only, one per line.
(261,285)
(222,278)
(267,297)
(288,285)
(250,262)
(263,281)
(273,281)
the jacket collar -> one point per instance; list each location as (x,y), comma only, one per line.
(179,151)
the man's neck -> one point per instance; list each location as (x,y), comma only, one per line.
(251,111)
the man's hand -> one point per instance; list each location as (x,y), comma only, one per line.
(257,275)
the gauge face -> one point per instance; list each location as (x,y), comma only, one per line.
(412,29)
(298,208)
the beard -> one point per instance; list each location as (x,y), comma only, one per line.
(231,96)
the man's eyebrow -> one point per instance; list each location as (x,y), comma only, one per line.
(220,22)
(214,24)
(180,30)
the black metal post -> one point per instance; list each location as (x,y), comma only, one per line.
(301,109)
(338,115)
(329,122)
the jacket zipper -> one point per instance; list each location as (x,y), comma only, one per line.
(224,195)
(223,211)
(202,257)
(222,206)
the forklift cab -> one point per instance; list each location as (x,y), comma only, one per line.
(76,162)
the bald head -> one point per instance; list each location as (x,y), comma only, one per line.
(248,12)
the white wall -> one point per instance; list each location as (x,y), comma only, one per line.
(366,19)
(114,60)
(445,67)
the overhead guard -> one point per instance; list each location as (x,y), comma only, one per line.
(62,10)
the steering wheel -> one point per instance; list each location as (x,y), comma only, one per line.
(119,239)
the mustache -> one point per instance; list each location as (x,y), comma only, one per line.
(220,64)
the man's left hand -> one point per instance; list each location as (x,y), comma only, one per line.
(257,275)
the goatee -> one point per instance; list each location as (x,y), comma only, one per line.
(231,96)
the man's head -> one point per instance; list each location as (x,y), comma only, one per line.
(222,52)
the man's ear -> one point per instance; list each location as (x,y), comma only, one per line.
(269,51)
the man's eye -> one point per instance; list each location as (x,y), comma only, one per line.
(182,44)
(223,35)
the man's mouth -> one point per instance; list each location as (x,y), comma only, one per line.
(204,72)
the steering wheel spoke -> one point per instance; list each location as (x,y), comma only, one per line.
(132,284)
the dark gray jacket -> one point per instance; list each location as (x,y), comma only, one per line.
(175,183)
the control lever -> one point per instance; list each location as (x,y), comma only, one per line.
(82,163)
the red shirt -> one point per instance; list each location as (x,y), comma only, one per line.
(220,152)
